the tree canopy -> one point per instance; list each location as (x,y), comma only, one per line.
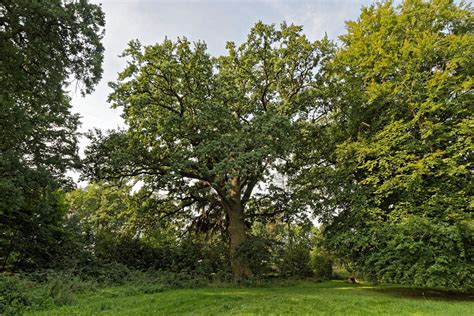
(205,131)
(44,45)
(371,136)
(392,170)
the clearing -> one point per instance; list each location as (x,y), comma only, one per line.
(304,298)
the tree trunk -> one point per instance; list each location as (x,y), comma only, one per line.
(240,268)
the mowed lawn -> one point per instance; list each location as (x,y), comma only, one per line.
(305,298)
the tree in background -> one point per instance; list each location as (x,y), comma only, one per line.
(43,46)
(203,132)
(391,167)
(111,224)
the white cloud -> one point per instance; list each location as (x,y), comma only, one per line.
(319,16)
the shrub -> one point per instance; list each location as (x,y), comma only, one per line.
(257,252)
(63,287)
(18,294)
(296,261)
(13,295)
(106,273)
(322,266)
(340,272)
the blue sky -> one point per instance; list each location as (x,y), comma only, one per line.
(213,21)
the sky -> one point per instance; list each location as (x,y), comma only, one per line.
(212,21)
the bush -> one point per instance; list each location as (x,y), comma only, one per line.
(106,273)
(322,266)
(13,295)
(340,272)
(18,294)
(63,287)
(257,252)
(36,291)
(296,261)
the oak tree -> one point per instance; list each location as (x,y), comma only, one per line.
(202,132)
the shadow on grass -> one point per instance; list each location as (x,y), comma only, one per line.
(426,294)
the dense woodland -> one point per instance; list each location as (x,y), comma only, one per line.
(284,157)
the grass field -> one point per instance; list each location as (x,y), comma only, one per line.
(305,298)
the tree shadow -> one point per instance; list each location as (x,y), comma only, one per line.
(431,294)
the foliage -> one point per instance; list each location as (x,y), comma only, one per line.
(114,225)
(20,293)
(258,253)
(45,289)
(110,227)
(279,248)
(207,130)
(322,265)
(295,257)
(13,296)
(223,159)
(322,260)
(32,214)
(393,174)
(43,44)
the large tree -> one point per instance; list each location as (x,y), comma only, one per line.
(203,132)
(44,47)
(394,173)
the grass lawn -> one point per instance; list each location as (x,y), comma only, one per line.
(327,298)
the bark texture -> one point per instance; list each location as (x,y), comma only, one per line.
(237,233)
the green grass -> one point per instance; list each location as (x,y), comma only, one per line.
(305,298)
